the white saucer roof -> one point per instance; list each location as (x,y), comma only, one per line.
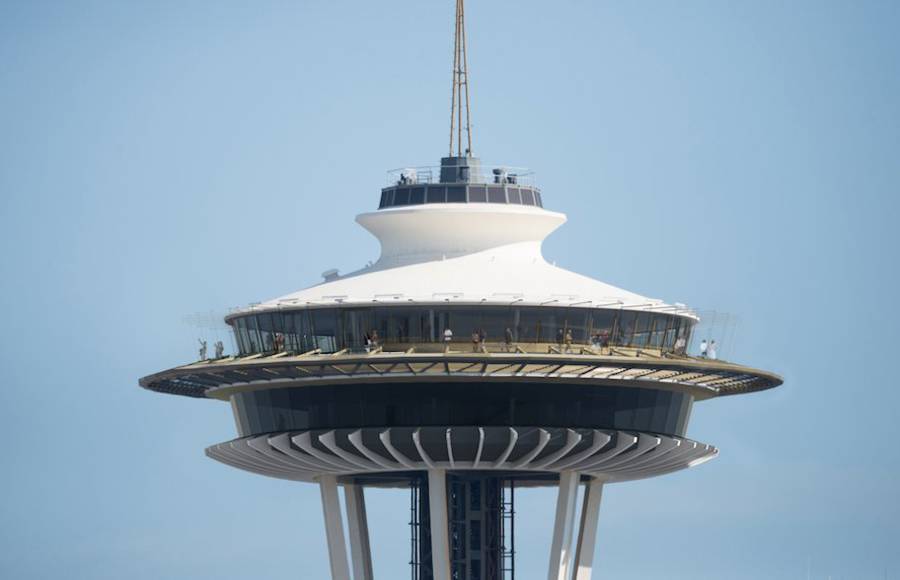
(466,253)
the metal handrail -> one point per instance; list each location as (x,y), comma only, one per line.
(482,175)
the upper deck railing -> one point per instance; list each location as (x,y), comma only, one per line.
(484,174)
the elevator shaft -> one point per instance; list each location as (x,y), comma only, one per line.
(480,519)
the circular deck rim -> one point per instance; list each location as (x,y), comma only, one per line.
(218,379)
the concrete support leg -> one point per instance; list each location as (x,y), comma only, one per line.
(587,532)
(334,528)
(561,546)
(440,528)
(358,530)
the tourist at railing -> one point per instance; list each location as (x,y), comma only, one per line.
(220,349)
(202,348)
(448,338)
(703,348)
(680,346)
(711,351)
(508,340)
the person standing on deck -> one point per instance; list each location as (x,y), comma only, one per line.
(448,337)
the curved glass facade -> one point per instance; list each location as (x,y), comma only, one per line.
(460,193)
(332,329)
(462,404)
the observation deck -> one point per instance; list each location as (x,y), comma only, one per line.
(460,180)
(703,378)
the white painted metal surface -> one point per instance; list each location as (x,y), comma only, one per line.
(475,253)
(587,530)
(440,528)
(334,528)
(358,532)
(611,455)
(561,544)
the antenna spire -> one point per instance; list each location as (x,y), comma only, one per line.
(460,91)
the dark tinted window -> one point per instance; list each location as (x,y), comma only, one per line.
(477,193)
(417,195)
(537,199)
(436,195)
(450,404)
(514,195)
(496,194)
(401,196)
(527,197)
(456,194)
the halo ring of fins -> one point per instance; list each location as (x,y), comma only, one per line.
(610,455)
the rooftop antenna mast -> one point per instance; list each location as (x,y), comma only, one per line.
(460,92)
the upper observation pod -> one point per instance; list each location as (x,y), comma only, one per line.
(459,233)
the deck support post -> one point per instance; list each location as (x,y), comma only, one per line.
(587,531)
(358,530)
(334,528)
(561,545)
(440,528)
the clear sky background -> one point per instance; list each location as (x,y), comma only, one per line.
(163,159)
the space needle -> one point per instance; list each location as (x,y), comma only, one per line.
(460,367)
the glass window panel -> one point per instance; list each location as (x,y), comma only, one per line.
(578,323)
(384,199)
(529,327)
(417,195)
(324,323)
(496,194)
(602,322)
(266,331)
(477,194)
(657,330)
(291,337)
(527,197)
(515,196)
(624,328)
(537,199)
(304,330)
(243,339)
(436,195)
(401,196)
(671,331)
(356,328)
(641,334)
(253,334)
(456,194)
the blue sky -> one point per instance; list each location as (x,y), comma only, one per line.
(161,159)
